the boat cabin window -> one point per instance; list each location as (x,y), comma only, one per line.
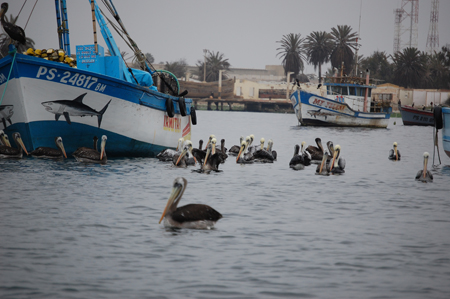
(336,90)
(344,91)
(352,91)
(370,92)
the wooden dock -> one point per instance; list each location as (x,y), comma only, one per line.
(253,105)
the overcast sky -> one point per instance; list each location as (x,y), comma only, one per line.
(245,31)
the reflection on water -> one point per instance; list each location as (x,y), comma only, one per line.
(70,230)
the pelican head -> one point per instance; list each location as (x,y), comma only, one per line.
(395,151)
(102,147)
(261,142)
(337,151)
(59,143)
(19,141)
(186,148)
(213,146)
(296,149)
(209,140)
(208,152)
(180,144)
(426,155)
(4,139)
(269,145)
(178,187)
(244,145)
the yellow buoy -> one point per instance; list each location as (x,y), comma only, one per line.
(30,51)
(38,51)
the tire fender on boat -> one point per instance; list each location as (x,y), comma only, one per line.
(437,114)
(169,107)
(193,116)
(182,104)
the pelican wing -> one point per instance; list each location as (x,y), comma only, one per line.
(195,212)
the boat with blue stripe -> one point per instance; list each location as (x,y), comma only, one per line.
(140,110)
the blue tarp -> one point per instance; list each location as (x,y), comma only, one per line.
(144,78)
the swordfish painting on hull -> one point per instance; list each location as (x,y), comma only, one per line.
(73,108)
(6,111)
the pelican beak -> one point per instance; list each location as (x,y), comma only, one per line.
(63,150)
(102,148)
(22,145)
(324,159)
(334,158)
(183,153)
(177,192)
(396,155)
(240,151)
(425,163)
(208,151)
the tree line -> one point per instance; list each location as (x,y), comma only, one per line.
(409,68)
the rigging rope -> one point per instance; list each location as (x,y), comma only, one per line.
(30,14)
(10,70)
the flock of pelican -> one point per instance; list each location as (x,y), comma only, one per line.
(82,154)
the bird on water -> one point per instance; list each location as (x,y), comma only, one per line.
(51,153)
(11,152)
(15,32)
(89,155)
(197,216)
(424,175)
(394,153)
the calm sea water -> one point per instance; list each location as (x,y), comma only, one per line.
(69,230)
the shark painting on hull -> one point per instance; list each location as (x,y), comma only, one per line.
(6,111)
(73,108)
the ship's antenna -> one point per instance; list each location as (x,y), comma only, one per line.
(357,41)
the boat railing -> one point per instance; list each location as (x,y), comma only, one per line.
(350,80)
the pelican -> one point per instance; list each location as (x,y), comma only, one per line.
(316,152)
(51,153)
(424,175)
(394,153)
(299,160)
(185,158)
(197,216)
(167,154)
(244,158)
(15,32)
(198,153)
(213,158)
(209,140)
(11,152)
(89,155)
(4,140)
(337,164)
(234,150)
(306,156)
(322,168)
(269,149)
(252,149)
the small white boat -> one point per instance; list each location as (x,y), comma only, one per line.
(347,103)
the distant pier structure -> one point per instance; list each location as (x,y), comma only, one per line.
(433,32)
(406,25)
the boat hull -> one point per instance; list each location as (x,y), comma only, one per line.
(45,99)
(446,130)
(415,117)
(315,110)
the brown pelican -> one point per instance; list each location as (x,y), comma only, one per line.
(300,158)
(394,153)
(212,158)
(234,150)
(316,152)
(209,140)
(197,216)
(89,155)
(322,168)
(15,32)
(167,154)
(11,152)
(424,175)
(252,149)
(269,149)
(4,140)
(306,156)
(243,157)
(185,157)
(51,153)
(337,164)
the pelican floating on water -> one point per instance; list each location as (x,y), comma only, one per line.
(234,150)
(243,157)
(300,158)
(185,157)
(424,175)
(196,216)
(316,152)
(394,153)
(212,158)
(167,154)
(89,155)
(11,152)
(337,164)
(51,153)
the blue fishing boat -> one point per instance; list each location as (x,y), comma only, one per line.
(142,111)
(346,103)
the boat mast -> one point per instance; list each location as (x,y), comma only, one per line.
(63,25)
(357,40)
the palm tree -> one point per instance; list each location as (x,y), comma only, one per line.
(178,68)
(318,47)
(214,63)
(5,40)
(409,68)
(378,65)
(291,52)
(345,42)
(437,75)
